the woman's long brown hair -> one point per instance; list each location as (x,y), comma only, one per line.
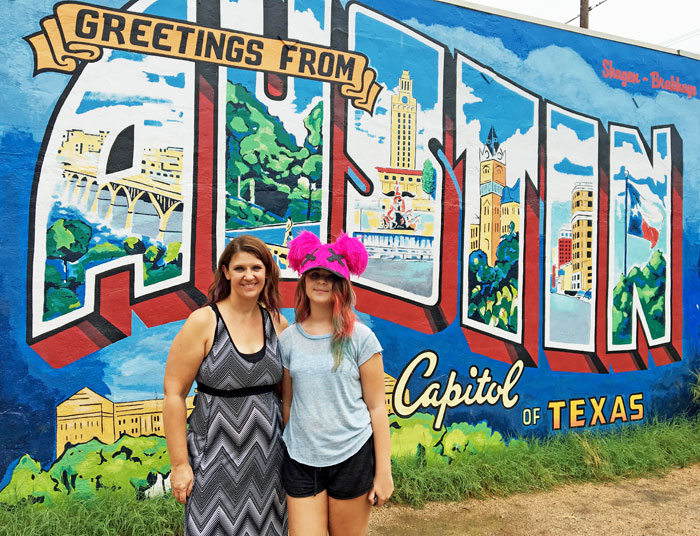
(220,289)
(343,316)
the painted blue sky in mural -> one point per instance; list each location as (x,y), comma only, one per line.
(571,168)
(496,105)
(384,44)
(317,8)
(583,130)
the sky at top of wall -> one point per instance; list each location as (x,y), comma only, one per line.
(31,101)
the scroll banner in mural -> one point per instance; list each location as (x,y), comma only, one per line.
(80,32)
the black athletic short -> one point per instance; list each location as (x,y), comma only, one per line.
(348,479)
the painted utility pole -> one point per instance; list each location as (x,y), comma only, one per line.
(584,14)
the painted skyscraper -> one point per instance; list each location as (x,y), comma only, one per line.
(582,236)
(403,125)
(402,157)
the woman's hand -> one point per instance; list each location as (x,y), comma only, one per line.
(181,481)
(382,490)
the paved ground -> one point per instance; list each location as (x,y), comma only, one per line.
(668,506)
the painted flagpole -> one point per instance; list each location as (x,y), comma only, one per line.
(627,174)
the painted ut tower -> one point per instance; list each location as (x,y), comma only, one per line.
(403,125)
(492,180)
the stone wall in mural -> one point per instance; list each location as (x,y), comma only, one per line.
(533,259)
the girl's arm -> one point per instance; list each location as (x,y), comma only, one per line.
(286,396)
(186,354)
(372,379)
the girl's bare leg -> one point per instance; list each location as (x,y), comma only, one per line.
(348,517)
(308,516)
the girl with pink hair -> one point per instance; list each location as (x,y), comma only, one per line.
(337,461)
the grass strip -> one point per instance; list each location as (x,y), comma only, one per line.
(108,514)
(542,464)
(531,465)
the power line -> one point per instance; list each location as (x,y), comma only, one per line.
(681,37)
(589,10)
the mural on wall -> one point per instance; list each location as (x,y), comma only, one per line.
(533,261)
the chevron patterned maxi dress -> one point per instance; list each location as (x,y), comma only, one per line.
(234,441)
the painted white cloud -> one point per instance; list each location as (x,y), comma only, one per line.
(562,143)
(244,15)
(135,372)
(639,167)
(304,26)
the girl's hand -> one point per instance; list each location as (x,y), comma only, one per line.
(382,490)
(181,481)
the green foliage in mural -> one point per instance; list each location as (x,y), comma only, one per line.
(428,178)
(268,176)
(67,241)
(305,202)
(61,294)
(493,290)
(59,301)
(134,246)
(415,439)
(650,286)
(131,464)
(471,438)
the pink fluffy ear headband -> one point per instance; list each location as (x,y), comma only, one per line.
(343,257)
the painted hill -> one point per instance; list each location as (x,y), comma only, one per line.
(131,464)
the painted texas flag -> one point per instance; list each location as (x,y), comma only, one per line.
(638,224)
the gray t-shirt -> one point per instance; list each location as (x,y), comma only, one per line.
(329,420)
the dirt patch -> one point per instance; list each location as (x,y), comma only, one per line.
(648,506)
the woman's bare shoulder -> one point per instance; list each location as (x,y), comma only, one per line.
(201,318)
(281,323)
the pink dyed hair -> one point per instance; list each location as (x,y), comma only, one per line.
(343,315)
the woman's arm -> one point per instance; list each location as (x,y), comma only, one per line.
(286,395)
(372,379)
(280,324)
(186,354)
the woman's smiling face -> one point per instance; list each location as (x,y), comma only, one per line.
(247,275)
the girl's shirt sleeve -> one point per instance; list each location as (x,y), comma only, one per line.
(368,344)
(284,345)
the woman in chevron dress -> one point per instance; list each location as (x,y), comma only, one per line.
(225,466)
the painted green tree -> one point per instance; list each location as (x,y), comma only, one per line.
(493,290)
(649,283)
(61,289)
(428,177)
(67,241)
(268,176)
